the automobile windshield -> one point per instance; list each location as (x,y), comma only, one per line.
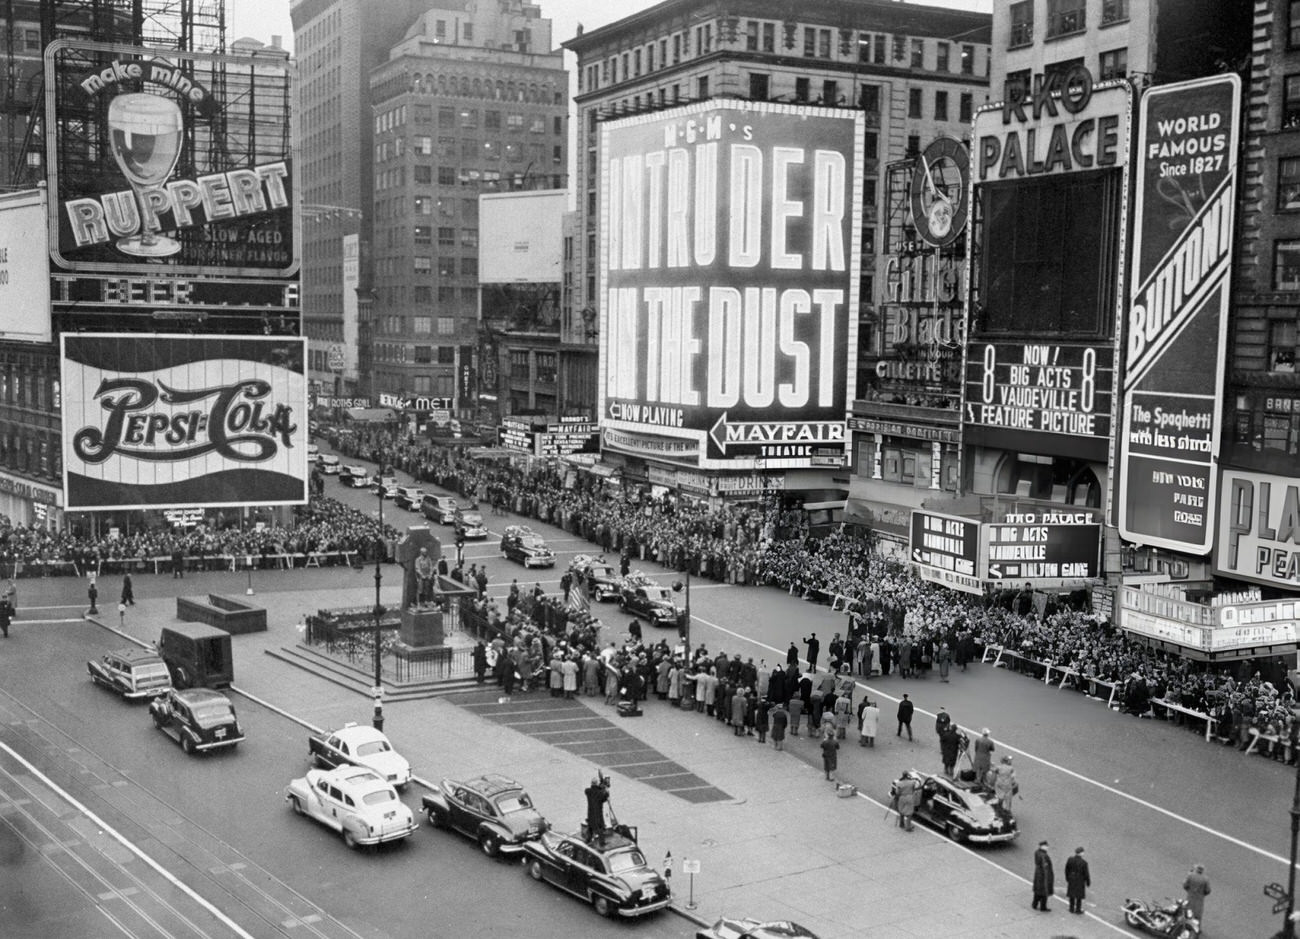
(532,541)
(471,518)
(509,804)
(371,747)
(629,860)
(661,596)
(210,715)
(152,671)
(379,797)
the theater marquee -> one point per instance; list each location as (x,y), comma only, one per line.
(729,265)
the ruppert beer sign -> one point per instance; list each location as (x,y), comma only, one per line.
(178,421)
(729,268)
(191,179)
(1176,328)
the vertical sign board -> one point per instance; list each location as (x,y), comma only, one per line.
(729,267)
(351,315)
(24,268)
(1259,529)
(1177,323)
(946,550)
(1042,546)
(164,421)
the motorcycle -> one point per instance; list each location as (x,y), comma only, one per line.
(1169,919)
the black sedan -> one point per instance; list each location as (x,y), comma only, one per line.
(520,543)
(651,601)
(609,872)
(132,673)
(197,718)
(493,810)
(963,811)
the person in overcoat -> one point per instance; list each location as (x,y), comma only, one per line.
(776,687)
(675,683)
(738,712)
(907,796)
(1077,880)
(796,715)
(830,747)
(868,723)
(948,748)
(1044,878)
(780,718)
(761,719)
(1197,886)
(983,759)
(1003,783)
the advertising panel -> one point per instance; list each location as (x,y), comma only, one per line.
(1259,529)
(1037,546)
(946,550)
(516,435)
(195,174)
(177,421)
(351,317)
(521,237)
(1176,330)
(729,267)
(1050,164)
(24,268)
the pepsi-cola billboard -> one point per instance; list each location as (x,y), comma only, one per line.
(729,277)
(164,421)
(169,163)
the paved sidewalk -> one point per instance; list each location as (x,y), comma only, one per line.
(782,847)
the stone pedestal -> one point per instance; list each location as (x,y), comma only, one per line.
(421,628)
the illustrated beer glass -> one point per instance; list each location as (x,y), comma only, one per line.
(145,137)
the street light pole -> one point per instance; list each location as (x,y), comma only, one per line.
(378,719)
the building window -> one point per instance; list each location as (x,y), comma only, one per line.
(758,86)
(423,355)
(422,325)
(871,145)
(769,37)
(1288,184)
(1065,17)
(546,366)
(423,264)
(468,117)
(751,35)
(918,53)
(966,108)
(869,99)
(518,363)
(802,89)
(914,102)
(941,57)
(941,105)
(1291,103)
(1286,264)
(446,237)
(31,40)
(423,234)
(446,176)
(878,48)
(446,355)
(423,205)
(702,87)
(1113,64)
(1282,343)
(913,145)
(422,173)
(968,60)
(1116,11)
(830,92)
(446,117)
(446,326)
(900,48)
(868,241)
(809,41)
(1022,24)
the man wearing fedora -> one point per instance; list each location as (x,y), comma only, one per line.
(1044,880)
(1077,880)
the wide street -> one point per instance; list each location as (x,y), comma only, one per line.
(1146,798)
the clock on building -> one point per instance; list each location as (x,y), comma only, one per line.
(940,192)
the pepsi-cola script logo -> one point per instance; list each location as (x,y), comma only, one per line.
(238,424)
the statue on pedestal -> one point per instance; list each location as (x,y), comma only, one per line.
(418,552)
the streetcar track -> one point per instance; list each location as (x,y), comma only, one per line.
(302,924)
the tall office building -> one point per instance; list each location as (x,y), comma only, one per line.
(469,102)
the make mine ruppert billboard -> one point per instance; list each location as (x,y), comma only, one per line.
(1176,330)
(729,271)
(164,421)
(1259,529)
(164,162)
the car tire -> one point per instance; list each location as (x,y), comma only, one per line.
(489,843)
(954,833)
(296,804)
(1132,919)
(602,905)
(435,820)
(158,721)
(350,839)
(187,744)
(1184,933)
(535,869)
(182,679)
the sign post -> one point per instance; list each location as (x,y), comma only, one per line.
(691,867)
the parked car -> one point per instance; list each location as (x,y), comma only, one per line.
(650,601)
(520,543)
(359,745)
(609,872)
(469,523)
(409,498)
(197,718)
(355,475)
(313,452)
(493,810)
(438,509)
(329,464)
(132,673)
(354,801)
(964,811)
(743,928)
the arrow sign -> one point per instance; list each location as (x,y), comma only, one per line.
(751,433)
(995,570)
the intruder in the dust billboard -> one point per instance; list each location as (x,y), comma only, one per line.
(145,138)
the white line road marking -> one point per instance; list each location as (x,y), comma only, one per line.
(129,845)
(1168,813)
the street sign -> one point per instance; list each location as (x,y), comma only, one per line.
(691,866)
